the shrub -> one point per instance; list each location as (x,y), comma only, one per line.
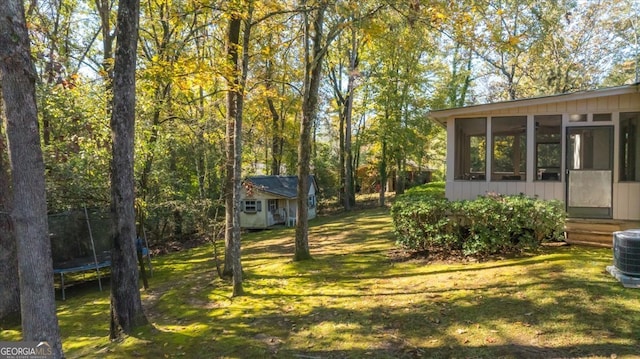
(488,225)
(434,189)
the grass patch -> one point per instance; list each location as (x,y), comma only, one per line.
(356,300)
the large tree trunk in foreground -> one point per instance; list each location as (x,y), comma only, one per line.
(126,305)
(29,212)
(9,286)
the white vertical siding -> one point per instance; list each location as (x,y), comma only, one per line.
(626,203)
(546,190)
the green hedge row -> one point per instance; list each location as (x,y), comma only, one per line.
(488,225)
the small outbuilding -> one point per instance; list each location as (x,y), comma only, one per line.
(267,201)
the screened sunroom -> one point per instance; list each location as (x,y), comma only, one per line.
(580,148)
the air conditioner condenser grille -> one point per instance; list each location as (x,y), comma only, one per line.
(626,252)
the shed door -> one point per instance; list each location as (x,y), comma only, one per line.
(589,171)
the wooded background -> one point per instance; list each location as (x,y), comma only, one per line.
(385,64)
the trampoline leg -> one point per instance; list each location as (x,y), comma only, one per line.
(62,285)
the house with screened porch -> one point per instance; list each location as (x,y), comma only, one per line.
(580,148)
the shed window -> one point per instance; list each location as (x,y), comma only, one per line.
(251,206)
(509,161)
(470,148)
(548,147)
(629,148)
(272,205)
(312,201)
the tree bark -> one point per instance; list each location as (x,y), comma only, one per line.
(105,7)
(227,270)
(336,80)
(9,287)
(350,198)
(235,102)
(126,305)
(277,139)
(313,72)
(237,163)
(233,40)
(29,212)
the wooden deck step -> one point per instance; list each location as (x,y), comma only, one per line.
(602,239)
(595,232)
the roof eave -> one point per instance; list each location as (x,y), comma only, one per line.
(441,116)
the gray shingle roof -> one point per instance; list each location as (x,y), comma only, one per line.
(284,186)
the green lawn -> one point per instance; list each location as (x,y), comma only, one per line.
(356,299)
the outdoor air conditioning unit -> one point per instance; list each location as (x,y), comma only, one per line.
(626,252)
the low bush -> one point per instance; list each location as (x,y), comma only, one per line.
(434,189)
(488,225)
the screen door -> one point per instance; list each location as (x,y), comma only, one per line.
(589,171)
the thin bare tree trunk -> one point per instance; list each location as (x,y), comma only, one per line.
(237,163)
(235,101)
(350,197)
(29,212)
(126,305)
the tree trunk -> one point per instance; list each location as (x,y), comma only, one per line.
(126,305)
(350,198)
(276,138)
(341,160)
(233,39)
(237,163)
(227,270)
(234,154)
(29,212)
(276,133)
(9,286)
(313,72)
(105,7)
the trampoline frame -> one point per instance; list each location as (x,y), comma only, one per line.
(97,264)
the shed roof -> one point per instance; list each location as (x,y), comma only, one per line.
(284,186)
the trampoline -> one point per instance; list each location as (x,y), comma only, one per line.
(81,242)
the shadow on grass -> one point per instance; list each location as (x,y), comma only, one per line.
(354,301)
